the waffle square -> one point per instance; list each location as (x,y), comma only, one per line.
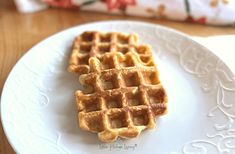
(122,96)
(93,43)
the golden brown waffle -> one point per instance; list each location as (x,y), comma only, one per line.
(93,43)
(123,97)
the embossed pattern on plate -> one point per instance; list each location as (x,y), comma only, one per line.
(39,116)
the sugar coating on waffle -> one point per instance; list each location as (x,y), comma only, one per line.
(122,97)
(93,43)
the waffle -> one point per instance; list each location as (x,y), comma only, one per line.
(122,96)
(93,43)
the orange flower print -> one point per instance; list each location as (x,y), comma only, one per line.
(60,3)
(158,12)
(214,3)
(118,4)
(201,20)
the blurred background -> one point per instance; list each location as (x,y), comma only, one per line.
(23,23)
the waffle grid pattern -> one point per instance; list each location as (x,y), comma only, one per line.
(94,43)
(123,97)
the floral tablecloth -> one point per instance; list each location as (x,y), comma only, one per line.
(215,12)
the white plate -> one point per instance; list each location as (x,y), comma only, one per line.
(39,116)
